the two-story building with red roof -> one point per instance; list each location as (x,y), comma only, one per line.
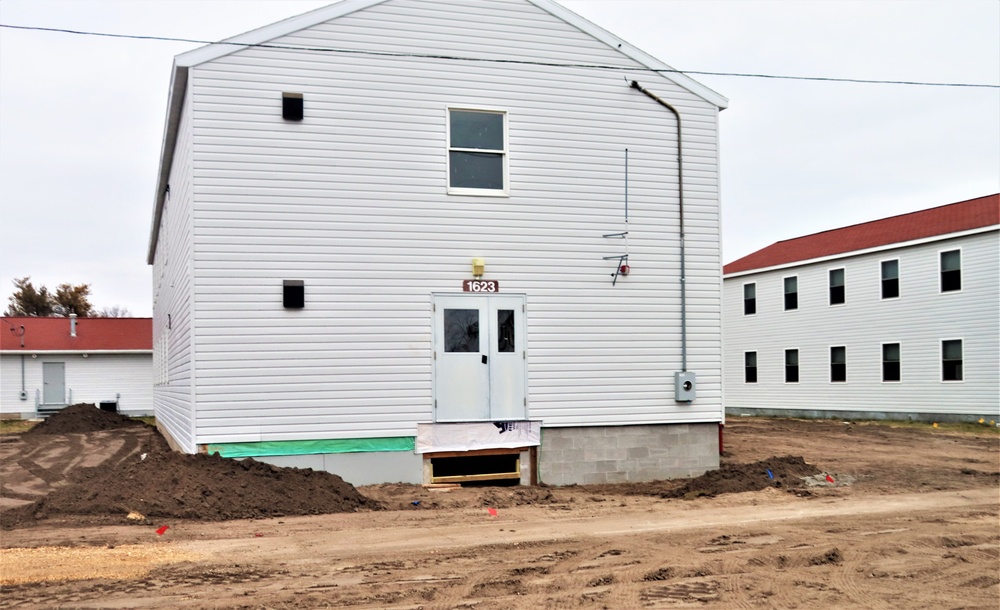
(49,363)
(895,318)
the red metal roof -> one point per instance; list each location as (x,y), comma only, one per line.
(92,334)
(942,220)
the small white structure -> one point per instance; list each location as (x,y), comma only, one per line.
(390,236)
(896,318)
(49,363)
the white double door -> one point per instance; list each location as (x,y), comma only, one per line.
(480,358)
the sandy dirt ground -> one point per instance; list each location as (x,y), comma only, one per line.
(911,519)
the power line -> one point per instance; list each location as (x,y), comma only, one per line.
(500,61)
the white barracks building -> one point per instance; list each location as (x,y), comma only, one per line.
(440,240)
(897,318)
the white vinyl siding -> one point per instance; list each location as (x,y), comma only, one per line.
(94,379)
(173,358)
(918,322)
(353,201)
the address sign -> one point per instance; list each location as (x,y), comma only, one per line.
(480,286)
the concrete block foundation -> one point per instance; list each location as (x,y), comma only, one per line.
(617,454)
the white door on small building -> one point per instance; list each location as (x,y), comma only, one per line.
(54,383)
(479,358)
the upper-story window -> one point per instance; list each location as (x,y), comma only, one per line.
(837,289)
(951,270)
(749,299)
(890,279)
(791,293)
(477,152)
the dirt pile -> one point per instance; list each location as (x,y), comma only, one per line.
(780,472)
(82,418)
(154,482)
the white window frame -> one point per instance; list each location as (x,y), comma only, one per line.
(961,268)
(829,356)
(783,293)
(784,365)
(505,191)
(829,286)
(899,283)
(941,359)
(743,299)
(881,360)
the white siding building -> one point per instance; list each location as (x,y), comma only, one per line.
(388,232)
(49,363)
(897,318)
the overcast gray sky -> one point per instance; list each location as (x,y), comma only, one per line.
(81,118)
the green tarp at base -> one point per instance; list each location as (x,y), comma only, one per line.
(344,445)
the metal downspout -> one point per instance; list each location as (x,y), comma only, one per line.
(680,198)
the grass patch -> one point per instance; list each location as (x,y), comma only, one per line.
(17,426)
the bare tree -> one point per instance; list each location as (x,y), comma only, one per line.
(115,311)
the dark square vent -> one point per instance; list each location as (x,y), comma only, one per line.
(291,106)
(294,294)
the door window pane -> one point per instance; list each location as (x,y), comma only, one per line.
(461,330)
(505,330)
(890,279)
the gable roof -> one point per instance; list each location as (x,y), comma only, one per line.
(92,335)
(184,61)
(934,222)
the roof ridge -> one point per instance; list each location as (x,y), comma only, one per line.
(935,222)
(883,219)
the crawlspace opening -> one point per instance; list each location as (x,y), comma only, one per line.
(479,467)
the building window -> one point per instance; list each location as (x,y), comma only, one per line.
(791,293)
(838,364)
(890,279)
(951,271)
(791,366)
(890,362)
(750,367)
(951,360)
(749,299)
(477,152)
(837,296)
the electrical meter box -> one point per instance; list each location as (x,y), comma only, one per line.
(684,386)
